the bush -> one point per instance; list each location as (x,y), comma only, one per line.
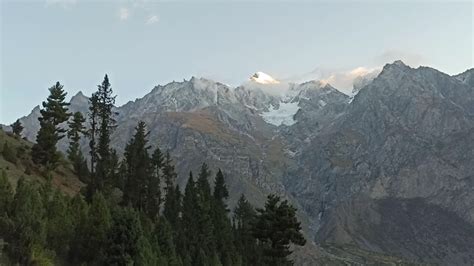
(27,170)
(8,153)
(21,151)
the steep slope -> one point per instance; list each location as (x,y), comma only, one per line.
(20,165)
(408,134)
(467,77)
(409,228)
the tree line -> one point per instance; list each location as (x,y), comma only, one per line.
(131,211)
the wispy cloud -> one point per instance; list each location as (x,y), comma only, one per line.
(345,80)
(123,13)
(61,3)
(152,20)
(342,79)
(409,58)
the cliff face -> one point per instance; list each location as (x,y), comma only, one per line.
(406,138)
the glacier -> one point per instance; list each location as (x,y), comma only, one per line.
(283,115)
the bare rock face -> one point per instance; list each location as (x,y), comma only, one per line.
(407,135)
(389,171)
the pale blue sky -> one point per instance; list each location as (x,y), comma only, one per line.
(144,43)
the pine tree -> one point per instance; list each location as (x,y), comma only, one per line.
(165,239)
(138,168)
(220,190)
(244,218)
(59,224)
(154,187)
(113,179)
(171,204)
(79,212)
(76,129)
(147,254)
(123,238)
(221,222)
(96,227)
(92,134)
(29,227)
(44,150)
(54,112)
(17,128)
(189,225)
(105,115)
(206,230)
(276,227)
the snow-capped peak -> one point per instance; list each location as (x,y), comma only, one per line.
(263,78)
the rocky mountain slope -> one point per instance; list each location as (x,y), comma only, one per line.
(397,155)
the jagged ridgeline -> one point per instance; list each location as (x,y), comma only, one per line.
(104,209)
(381,176)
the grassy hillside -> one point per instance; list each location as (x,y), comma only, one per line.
(20,165)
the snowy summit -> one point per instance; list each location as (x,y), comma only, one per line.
(263,78)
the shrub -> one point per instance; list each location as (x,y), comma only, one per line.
(8,153)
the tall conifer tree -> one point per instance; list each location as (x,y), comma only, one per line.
(76,130)
(172,206)
(189,223)
(221,222)
(154,187)
(138,168)
(106,124)
(54,112)
(244,219)
(92,134)
(276,227)
(206,230)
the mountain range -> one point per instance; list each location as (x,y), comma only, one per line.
(388,169)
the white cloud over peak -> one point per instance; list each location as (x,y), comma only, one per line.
(152,20)
(341,79)
(344,80)
(123,13)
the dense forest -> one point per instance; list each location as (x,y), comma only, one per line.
(130,211)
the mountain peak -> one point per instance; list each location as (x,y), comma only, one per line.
(79,94)
(395,67)
(399,63)
(79,99)
(263,78)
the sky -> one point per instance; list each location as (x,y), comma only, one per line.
(141,44)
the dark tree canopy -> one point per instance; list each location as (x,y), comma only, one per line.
(17,128)
(138,168)
(76,130)
(276,227)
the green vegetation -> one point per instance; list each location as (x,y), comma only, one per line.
(76,130)
(17,128)
(130,212)
(54,112)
